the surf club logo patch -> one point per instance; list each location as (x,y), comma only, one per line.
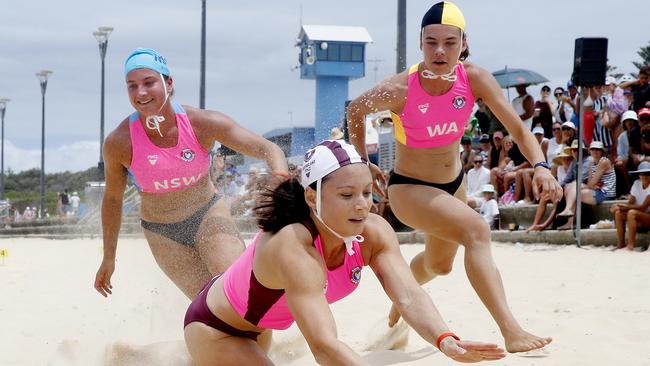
(355,275)
(458,102)
(152,159)
(306,167)
(423,108)
(187,155)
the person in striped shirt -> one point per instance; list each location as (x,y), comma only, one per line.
(600,184)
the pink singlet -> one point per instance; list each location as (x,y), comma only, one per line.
(165,169)
(268,308)
(433,121)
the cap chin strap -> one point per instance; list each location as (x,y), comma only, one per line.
(346,239)
(153,122)
(450,76)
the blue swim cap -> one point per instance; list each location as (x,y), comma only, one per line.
(146,58)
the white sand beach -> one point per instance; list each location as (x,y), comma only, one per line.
(594,303)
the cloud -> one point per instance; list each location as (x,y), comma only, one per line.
(73,157)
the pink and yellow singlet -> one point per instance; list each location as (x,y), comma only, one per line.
(430,121)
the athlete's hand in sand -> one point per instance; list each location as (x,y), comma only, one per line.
(470,351)
(103,278)
(378,180)
(545,184)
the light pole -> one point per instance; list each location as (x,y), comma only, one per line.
(202,81)
(101,35)
(42,77)
(3,107)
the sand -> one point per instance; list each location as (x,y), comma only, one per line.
(594,303)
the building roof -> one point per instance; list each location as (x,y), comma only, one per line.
(284,131)
(335,33)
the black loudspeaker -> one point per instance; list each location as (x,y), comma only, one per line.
(590,61)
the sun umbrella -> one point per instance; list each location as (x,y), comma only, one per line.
(512,77)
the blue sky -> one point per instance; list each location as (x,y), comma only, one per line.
(250,53)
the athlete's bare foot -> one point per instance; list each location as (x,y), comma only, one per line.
(393,316)
(523,341)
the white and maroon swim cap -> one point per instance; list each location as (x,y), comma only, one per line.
(327,157)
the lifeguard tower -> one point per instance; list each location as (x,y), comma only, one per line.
(331,55)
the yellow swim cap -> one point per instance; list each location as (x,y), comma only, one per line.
(444,12)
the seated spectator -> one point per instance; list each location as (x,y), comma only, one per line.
(563,110)
(489,209)
(617,104)
(482,117)
(497,153)
(485,149)
(600,184)
(471,128)
(636,213)
(543,112)
(644,128)
(562,166)
(640,88)
(629,142)
(504,176)
(568,133)
(477,178)
(556,143)
(524,177)
(467,153)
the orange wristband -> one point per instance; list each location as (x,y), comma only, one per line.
(284,175)
(445,335)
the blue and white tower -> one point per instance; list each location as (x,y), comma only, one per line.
(332,55)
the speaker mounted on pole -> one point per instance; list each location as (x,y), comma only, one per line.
(590,62)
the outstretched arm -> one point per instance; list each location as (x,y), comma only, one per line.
(387,96)
(302,276)
(111,208)
(413,303)
(485,86)
(220,127)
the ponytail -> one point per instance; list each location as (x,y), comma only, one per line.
(282,206)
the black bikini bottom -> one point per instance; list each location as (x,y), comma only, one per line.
(450,187)
(183,232)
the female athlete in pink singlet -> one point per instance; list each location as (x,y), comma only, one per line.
(430,103)
(317,235)
(164,147)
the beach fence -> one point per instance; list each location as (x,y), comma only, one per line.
(94,193)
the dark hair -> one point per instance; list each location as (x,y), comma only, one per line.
(546,87)
(166,77)
(465,54)
(282,206)
(645,70)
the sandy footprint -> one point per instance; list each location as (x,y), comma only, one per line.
(71,352)
(287,350)
(536,353)
(156,354)
(382,337)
